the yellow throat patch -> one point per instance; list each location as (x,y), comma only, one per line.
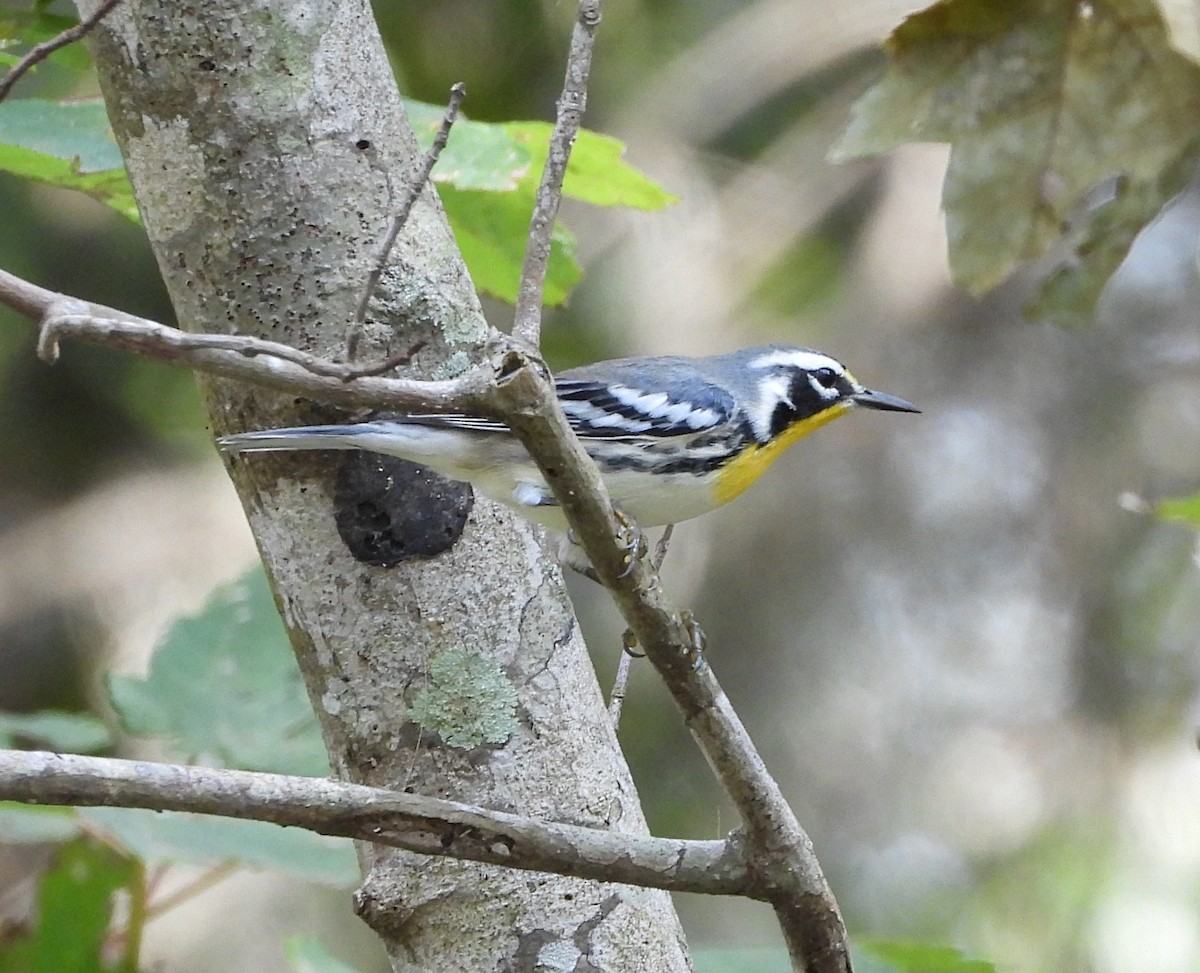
(736,475)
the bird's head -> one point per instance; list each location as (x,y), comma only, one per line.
(795,390)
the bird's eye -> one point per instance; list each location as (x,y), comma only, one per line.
(826,377)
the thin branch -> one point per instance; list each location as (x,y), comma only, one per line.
(267,364)
(385,366)
(616,698)
(43,50)
(206,880)
(412,190)
(425,825)
(527,316)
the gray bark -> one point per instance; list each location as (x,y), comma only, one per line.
(260,137)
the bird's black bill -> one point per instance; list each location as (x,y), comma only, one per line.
(882,401)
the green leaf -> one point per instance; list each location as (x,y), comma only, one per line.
(224,686)
(205,840)
(68,145)
(913,957)
(1042,101)
(31,27)
(310,956)
(511,155)
(74,910)
(488,176)
(33,824)
(1182,509)
(477,155)
(63,732)
(490,229)
(596,174)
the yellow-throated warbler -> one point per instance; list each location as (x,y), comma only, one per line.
(673,437)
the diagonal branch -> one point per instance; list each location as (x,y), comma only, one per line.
(40,52)
(527,316)
(426,825)
(780,852)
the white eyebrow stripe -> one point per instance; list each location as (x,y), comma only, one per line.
(797,358)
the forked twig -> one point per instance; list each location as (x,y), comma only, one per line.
(412,190)
(43,50)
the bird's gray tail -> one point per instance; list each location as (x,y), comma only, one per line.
(348,436)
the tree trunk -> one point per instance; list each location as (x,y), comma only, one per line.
(265,141)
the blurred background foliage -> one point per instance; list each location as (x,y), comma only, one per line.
(973,668)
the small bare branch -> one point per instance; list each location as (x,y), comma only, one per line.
(264,363)
(412,190)
(42,51)
(527,316)
(426,825)
(385,366)
(616,698)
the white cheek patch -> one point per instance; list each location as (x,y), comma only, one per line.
(777,389)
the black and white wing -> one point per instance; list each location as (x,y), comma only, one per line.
(599,409)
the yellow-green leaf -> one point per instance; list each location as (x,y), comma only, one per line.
(597,172)
(1183,509)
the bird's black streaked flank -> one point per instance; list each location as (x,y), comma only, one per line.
(673,437)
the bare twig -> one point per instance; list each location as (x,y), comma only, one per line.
(527,316)
(616,698)
(412,190)
(265,363)
(383,367)
(663,545)
(43,50)
(206,880)
(425,825)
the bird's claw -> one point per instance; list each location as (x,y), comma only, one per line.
(633,541)
(629,644)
